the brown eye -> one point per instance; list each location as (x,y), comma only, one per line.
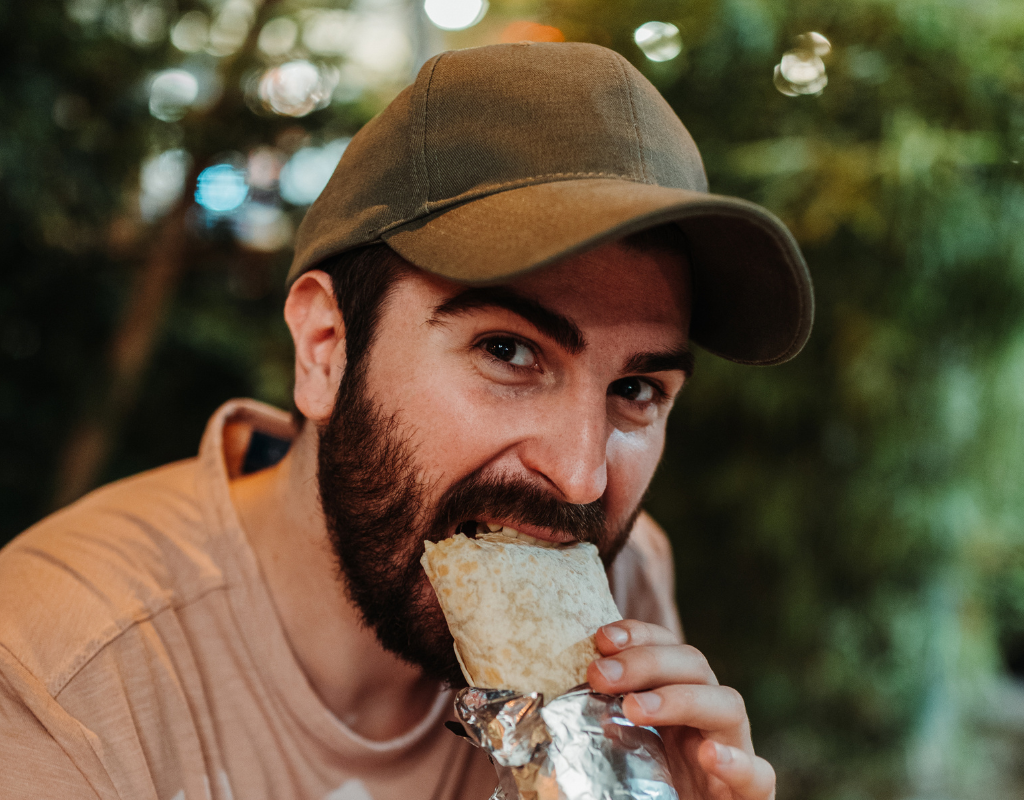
(636,390)
(510,351)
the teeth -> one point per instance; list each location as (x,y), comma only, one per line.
(512,533)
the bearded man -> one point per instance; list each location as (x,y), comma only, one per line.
(491,305)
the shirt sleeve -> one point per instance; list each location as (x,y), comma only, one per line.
(43,753)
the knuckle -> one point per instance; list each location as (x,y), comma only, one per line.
(643,663)
(699,659)
(737,706)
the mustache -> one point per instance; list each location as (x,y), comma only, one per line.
(475,497)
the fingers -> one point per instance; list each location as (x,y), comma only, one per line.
(638,668)
(749,777)
(717,711)
(631,633)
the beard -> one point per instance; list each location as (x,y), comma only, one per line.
(378,516)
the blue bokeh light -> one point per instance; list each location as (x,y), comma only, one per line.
(221,188)
(308,171)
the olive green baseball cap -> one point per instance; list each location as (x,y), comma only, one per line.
(503,159)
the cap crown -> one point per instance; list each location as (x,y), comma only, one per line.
(488,119)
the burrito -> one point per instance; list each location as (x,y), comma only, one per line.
(523,612)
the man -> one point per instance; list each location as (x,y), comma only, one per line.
(490,304)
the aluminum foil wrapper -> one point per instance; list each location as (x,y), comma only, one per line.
(579,746)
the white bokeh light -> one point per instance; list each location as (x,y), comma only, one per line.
(191,33)
(659,41)
(296,88)
(308,171)
(380,45)
(278,36)
(801,70)
(328,32)
(171,92)
(221,188)
(147,24)
(231,26)
(455,15)
(263,227)
(814,42)
(161,182)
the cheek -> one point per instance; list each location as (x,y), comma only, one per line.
(455,423)
(632,460)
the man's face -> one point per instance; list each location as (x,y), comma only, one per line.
(539,405)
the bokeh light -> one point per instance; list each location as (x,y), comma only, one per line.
(525,31)
(278,36)
(161,182)
(221,188)
(801,70)
(455,15)
(814,42)
(263,167)
(263,227)
(380,45)
(296,88)
(147,23)
(308,171)
(85,12)
(230,27)
(171,92)
(327,32)
(659,41)
(191,33)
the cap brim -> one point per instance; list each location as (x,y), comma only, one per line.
(753,301)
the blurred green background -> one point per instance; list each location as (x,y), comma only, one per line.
(848,527)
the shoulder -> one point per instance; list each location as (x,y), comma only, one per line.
(75,581)
(648,537)
(642,576)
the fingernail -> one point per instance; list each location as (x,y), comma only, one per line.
(649,701)
(723,753)
(616,635)
(610,668)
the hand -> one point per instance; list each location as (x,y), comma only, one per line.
(670,686)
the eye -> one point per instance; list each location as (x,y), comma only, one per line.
(507,349)
(636,390)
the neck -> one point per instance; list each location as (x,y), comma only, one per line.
(369,689)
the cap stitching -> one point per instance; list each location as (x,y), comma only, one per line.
(423,145)
(434,206)
(533,180)
(632,112)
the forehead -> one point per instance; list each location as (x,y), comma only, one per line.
(616,283)
(613,285)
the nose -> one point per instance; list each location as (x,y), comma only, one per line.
(569,448)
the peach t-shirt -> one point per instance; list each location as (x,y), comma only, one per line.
(141,657)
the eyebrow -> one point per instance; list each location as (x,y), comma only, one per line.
(560,328)
(680,359)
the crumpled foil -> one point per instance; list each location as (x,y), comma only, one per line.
(579,746)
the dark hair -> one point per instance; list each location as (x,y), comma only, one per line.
(362,280)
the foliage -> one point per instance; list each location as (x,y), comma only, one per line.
(848,529)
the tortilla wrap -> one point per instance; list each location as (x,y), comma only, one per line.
(523,613)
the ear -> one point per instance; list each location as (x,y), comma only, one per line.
(318,332)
